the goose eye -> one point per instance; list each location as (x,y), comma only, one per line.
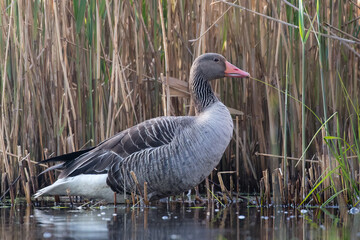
(216,60)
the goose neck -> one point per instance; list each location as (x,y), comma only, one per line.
(201,91)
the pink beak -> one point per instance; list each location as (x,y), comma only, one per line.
(233,71)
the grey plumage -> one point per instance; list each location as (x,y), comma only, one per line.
(171,154)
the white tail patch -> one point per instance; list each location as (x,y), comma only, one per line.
(86,185)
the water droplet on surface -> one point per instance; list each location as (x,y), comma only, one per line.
(47,235)
(175,236)
(354,210)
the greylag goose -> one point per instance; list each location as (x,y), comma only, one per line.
(171,154)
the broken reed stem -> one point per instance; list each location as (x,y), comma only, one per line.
(146,201)
(207,184)
(25,184)
(163,95)
(231,187)
(223,188)
(69,196)
(33,177)
(212,193)
(115,200)
(28,193)
(133,198)
(133,175)
(282,157)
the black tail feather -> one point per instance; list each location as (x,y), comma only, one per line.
(57,166)
(66,157)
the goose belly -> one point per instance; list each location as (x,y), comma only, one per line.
(208,142)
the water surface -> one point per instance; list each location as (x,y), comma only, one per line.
(176,221)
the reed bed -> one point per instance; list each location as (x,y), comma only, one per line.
(74,73)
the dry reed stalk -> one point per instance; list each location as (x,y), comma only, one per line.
(237,153)
(51,177)
(276,190)
(3,183)
(3,134)
(133,198)
(66,81)
(113,55)
(222,186)
(32,177)
(262,192)
(167,90)
(267,186)
(248,165)
(146,201)
(23,179)
(231,187)
(115,201)
(133,175)
(207,184)
(28,193)
(68,192)
(282,188)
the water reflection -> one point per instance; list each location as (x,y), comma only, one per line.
(176,221)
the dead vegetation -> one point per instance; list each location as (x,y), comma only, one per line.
(74,73)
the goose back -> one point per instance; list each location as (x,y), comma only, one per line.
(149,134)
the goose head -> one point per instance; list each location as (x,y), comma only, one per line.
(205,68)
(214,66)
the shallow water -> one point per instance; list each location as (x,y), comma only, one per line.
(176,221)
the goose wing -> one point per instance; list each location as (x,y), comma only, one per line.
(149,134)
